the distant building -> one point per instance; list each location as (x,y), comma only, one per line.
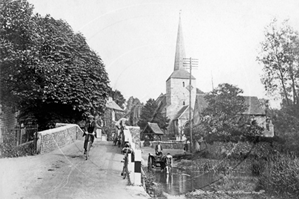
(254,111)
(133,110)
(151,132)
(175,103)
(112,113)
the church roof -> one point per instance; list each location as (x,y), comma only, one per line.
(201,103)
(180,51)
(180,112)
(252,102)
(254,107)
(180,74)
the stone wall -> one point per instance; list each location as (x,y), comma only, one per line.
(136,138)
(61,136)
(169,144)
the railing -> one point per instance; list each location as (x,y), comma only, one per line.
(24,134)
(19,141)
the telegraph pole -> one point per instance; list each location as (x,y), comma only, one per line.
(191,63)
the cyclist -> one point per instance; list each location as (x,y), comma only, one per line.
(89,131)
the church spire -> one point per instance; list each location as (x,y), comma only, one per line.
(180,52)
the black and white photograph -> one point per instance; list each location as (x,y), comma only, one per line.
(136,99)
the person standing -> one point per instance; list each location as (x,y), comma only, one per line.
(158,149)
(99,125)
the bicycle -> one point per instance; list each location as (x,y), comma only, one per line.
(89,144)
(125,168)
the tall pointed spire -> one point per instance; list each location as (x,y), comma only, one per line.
(180,52)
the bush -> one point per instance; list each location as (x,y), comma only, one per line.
(258,167)
(282,176)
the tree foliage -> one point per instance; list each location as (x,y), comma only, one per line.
(46,68)
(118,98)
(279,56)
(133,110)
(149,114)
(223,116)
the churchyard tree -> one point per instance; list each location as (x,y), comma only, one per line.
(149,113)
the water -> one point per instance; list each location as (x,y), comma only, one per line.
(178,182)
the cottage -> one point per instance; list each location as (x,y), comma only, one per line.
(112,113)
(254,111)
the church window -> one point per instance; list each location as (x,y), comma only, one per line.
(183,84)
(183,103)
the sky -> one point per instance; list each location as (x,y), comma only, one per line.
(136,39)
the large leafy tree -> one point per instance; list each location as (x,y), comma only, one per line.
(47,69)
(149,114)
(223,116)
(279,56)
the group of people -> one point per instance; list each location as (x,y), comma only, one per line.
(94,123)
(121,138)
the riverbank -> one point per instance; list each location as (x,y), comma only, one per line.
(226,181)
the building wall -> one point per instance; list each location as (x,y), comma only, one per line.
(177,95)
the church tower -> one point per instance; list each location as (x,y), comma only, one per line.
(177,94)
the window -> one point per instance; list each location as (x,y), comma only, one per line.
(183,84)
(183,102)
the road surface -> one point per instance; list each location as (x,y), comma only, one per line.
(64,173)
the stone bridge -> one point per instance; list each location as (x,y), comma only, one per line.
(61,171)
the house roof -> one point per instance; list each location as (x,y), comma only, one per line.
(180,74)
(161,102)
(113,105)
(179,113)
(201,103)
(254,107)
(252,102)
(155,128)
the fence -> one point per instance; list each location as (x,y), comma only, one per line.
(19,141)
(24,134)
(169,144)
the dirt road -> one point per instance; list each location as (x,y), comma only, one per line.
(65,173)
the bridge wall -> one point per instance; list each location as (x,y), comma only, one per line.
(58,137)
(135,137)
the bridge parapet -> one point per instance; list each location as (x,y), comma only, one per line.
(134,166)
(58,137)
